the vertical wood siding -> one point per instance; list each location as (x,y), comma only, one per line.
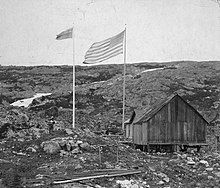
(176,122)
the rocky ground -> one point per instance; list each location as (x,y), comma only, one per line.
(66,152)
(38,141)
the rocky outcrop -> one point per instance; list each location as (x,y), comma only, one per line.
(12,121)
(65,145)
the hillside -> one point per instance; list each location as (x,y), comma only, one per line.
(196,82)
(30,147)
(99,88)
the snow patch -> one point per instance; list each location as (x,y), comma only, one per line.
(26,102)
(149,70)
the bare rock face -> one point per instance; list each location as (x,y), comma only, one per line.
(50,147)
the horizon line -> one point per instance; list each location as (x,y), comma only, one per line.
(101,64)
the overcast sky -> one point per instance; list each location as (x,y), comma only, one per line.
(157,30)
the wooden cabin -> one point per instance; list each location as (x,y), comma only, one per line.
(171,122)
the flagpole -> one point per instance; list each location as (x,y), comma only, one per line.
(73,78)
(124,51)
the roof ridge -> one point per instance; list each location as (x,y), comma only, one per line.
(160,105)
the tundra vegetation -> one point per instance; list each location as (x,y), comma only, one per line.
(39,142)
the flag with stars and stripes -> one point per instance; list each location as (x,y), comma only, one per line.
(106,49)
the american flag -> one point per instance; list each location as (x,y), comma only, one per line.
(106,49)
(65,34)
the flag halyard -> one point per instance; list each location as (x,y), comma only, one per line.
(104,50)
(65,34)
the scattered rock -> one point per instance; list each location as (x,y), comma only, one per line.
(31,149)
(166,179)
(73,144)
(124,183)
(39,176)
(19,153)
(63,153)
(68,146)
(75,151)
(78,166)
(108,165)
(134,186)
(10,133)
(160,183)
(79,142)
(204,162)
(162,175)
(85,146)
(98,186)
(58,125)
(20,139)
(184,156)
(205,173)
(191,162)
(152,169)
(209,169)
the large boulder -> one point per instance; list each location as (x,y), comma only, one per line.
(66,143)
(50,147)
(85,146)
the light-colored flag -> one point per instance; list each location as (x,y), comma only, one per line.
(65,34)
(106,49)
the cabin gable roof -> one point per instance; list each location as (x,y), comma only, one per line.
(150,112)
(196,112)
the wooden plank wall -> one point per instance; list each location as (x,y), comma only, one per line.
(176,122)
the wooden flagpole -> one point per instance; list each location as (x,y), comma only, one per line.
(124,51)
(73,78)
